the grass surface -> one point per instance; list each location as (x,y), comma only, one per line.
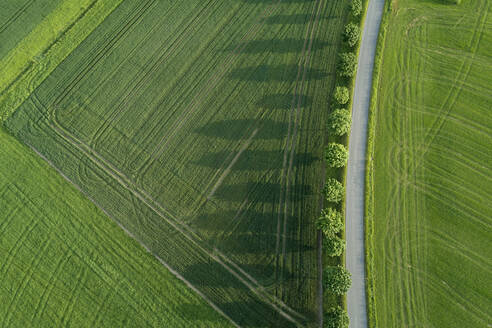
(63,263)
(199,126)
(430,177)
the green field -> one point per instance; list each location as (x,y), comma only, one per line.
(199,126)
(432,171)
(63,263)
(19,18)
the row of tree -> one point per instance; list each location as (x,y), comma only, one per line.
(336,278)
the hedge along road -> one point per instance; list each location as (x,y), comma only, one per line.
(354,220)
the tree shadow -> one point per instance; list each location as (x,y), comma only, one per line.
(266,192)
(287,45)
(283,101)
(260,244)
(234,129)
(287,19)
(253,160)
(253,220)
(194,274)
(271,73)
(238,311)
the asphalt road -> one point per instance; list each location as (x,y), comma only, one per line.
(356,168)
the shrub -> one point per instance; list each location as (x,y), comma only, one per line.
(336,318)
(356,7)
(334,246)
(333,190)
(337,279)
(348,64)
(336,155)
(352,34)
(330,222)
(341,95)
(339,121)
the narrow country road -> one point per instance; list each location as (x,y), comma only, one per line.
(356,168)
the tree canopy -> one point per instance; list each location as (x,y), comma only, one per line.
(337,279)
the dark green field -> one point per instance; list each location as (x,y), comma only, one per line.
(432,176)
(199,127)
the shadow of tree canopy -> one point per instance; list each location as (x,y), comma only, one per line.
(282,101)
(254,160)
(287,19)
(260,243)
(264,191)
(239,310)
(269,73)
(234,129)
(287,45)
(254,221)
(194,273)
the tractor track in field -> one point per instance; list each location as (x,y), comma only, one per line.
(290,140)
(314,30)
(253,285)
(130,234)
(104,50)
(145,75)
(16,15)
(210,85)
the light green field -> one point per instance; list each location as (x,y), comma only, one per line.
(432,178)
(199,126)
(64,264)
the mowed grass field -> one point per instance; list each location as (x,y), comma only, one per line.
(63,263)
(432,178)
(199,127)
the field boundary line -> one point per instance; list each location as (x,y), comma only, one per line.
(157,208)
(176,274)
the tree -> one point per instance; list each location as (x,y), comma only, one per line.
(341,95)
(356,7)
(339,121)
(352,34)
(333,190)
(330,222)
(334,246)
(337,279)
(348,64)
(336,155)
(336,318)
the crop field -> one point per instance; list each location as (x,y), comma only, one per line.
(18,18)
(199,127)
(432,178)
(35,36)
(63,263)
